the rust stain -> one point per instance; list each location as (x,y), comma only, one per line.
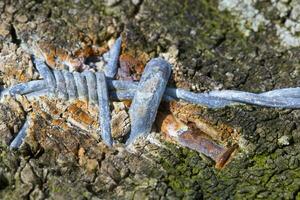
(184,126)
(57,122)
(85,118)
(43,132)
(170,126)
(16,72)
(189,136)
(77,111)
(57,57)
(127,103)
(189,113)
(132,60)
(90,51)
(131,67)
(226,157)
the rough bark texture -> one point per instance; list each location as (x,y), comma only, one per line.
(208,51)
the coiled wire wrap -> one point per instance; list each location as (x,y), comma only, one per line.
(88,86)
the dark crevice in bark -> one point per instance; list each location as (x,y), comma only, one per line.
(14,37)
(137,9)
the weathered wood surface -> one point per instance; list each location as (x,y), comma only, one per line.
(210,45)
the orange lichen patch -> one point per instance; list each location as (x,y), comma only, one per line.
(87,38)
(58,57)
(127,47)
(78,104)
(90,51)
(44,132)
(132,62)
(78,116)
(15,65)
(63,57)
(84,117)
(79,112)
(131,66)
(57,122)
(134,58)
(50,106)
(17,73)
(228,132)
(127,103)
(64,126)
(47,51)
(22,76)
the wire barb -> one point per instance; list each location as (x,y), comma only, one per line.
(97,88)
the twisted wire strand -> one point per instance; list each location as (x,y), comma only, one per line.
(24,88)
(83,87)
(281,98)
(290,92)
(18,140)
(278,99)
